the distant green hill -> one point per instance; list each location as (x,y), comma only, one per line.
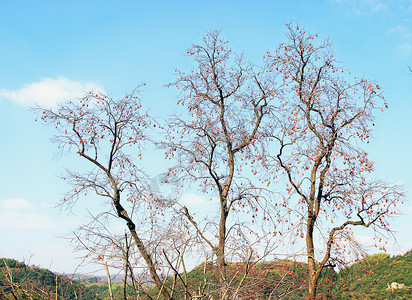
(17,280)
(281,279)
(286,279)
(369,278)
(366,279)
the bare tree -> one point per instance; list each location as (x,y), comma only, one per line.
(227,101)
(325,116)
(107,133)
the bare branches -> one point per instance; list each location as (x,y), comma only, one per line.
(227,104)
(325,118)
(100,128)
(292,127)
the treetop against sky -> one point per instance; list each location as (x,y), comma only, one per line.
(55,51)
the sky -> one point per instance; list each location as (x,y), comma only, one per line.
(53,51)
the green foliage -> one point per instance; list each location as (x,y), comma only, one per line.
(284,279)
(27,282)
(369,278)
(11,263)
(366,279)
(37,283)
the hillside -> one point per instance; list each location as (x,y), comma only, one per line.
(369,278)
(285,279)
(282,279)
(17,280)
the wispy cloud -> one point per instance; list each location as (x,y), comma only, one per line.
(405,48)
(49,91)
(194,200)
(367,241)
(15,204)
(196,203)
(400,30)
(17,213)
(375,5)
(359,7)
(403,34)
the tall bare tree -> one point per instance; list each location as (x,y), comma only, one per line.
(107,133)
(325,116)
(227,100)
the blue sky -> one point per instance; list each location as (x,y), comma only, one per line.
(55,50)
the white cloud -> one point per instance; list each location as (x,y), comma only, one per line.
(405,48)
(367,241)
(193,200)
(403,34)
(21,220)
(359,7)
(49,91)
(399,30)
(196,203)
(15,204)
(376,6)
(18,214)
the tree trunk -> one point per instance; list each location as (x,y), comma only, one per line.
(312,280)
(312,290)
(122,213)
(109,282)
(220,253)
